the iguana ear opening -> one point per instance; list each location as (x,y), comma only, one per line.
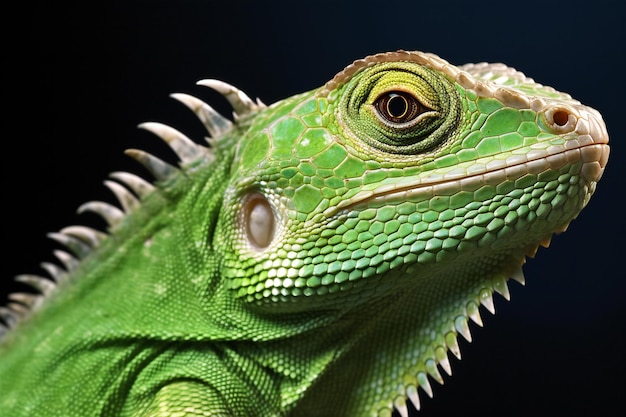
(258,219)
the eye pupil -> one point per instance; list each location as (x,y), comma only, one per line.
(398,107)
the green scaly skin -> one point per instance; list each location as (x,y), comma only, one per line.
(319,258)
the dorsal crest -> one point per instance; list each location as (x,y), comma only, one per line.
(129,189)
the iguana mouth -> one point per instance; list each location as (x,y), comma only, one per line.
(590,146)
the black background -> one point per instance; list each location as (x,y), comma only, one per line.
(77,79)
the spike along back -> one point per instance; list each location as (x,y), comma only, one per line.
(318,256)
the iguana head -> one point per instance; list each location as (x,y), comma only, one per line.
(401,195)
(401,169)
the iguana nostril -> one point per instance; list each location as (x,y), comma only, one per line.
(560,117)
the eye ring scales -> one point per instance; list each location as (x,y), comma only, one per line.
(401,108)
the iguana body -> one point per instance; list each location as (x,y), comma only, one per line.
(319,258)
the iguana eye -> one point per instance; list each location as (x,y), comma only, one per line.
(398,107)
(258,219)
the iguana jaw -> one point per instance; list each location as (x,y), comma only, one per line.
(594,159)
(589,146)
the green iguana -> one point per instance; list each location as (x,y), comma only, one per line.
(319,257)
